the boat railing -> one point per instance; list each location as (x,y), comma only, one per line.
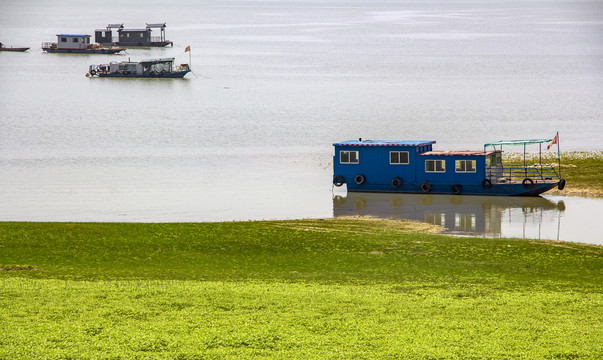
(156,39)
(516,173)
(49,45)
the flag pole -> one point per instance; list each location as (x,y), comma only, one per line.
(188,50)
(558,154)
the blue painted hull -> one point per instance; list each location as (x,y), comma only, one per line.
(172,75)
(83,51)
(501,189)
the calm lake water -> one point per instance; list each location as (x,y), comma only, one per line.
(249,135)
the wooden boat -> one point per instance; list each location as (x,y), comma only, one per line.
(414,167)
(154,68)
(77,44)
(14,49)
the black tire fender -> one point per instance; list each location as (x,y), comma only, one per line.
(338,180)
(486,184)
(456,189)
(396,182)
(425,187)
(359,179)
(527,183)
(561,184)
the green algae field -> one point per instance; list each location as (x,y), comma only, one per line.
(322,289)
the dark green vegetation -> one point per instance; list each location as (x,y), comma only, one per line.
(582,170)
(345,288)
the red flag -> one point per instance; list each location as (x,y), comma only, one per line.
(553,142)
(188,48)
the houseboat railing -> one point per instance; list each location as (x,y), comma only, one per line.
(48,45)
(516,173)
(156,39)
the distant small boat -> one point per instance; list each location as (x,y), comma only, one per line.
(77,44)
(15,49)
(154,68)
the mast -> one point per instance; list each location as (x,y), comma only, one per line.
(558,154)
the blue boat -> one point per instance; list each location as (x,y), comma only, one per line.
(414,167)
(155,68)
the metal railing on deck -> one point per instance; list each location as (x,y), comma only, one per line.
(512,173)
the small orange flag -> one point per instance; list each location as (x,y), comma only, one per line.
(188,48)
(554,141)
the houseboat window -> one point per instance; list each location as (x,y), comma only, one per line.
(435,166)
(348,157)
(74,40)
(464,165)
(63,39)
(494,159)
(398,157)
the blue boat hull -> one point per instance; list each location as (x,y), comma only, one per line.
(172,75)
(501,189)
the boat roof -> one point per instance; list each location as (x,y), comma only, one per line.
(160,25)
(74,35)
(133,30)
(151,61)
(361,142)
(518,142)
(458,153)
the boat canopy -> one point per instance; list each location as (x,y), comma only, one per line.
(518,142)
(155,61)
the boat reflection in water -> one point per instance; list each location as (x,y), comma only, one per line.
(487,216)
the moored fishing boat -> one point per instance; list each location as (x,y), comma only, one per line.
(154,68)
(414,167)
(77,44)
(14,49)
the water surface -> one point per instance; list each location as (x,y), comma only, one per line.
(249,135)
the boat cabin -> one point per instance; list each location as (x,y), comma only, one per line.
(72,41)
(406,162)
(132,37)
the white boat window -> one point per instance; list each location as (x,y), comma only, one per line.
(398,157)
(348,157)
(435,166)
(464,166)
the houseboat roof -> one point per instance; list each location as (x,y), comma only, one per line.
(154,61)
(458,153)
(361,142)
(133,30)
(74,35)
(160,25)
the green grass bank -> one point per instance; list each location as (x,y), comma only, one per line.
(324,289)
(583,171)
